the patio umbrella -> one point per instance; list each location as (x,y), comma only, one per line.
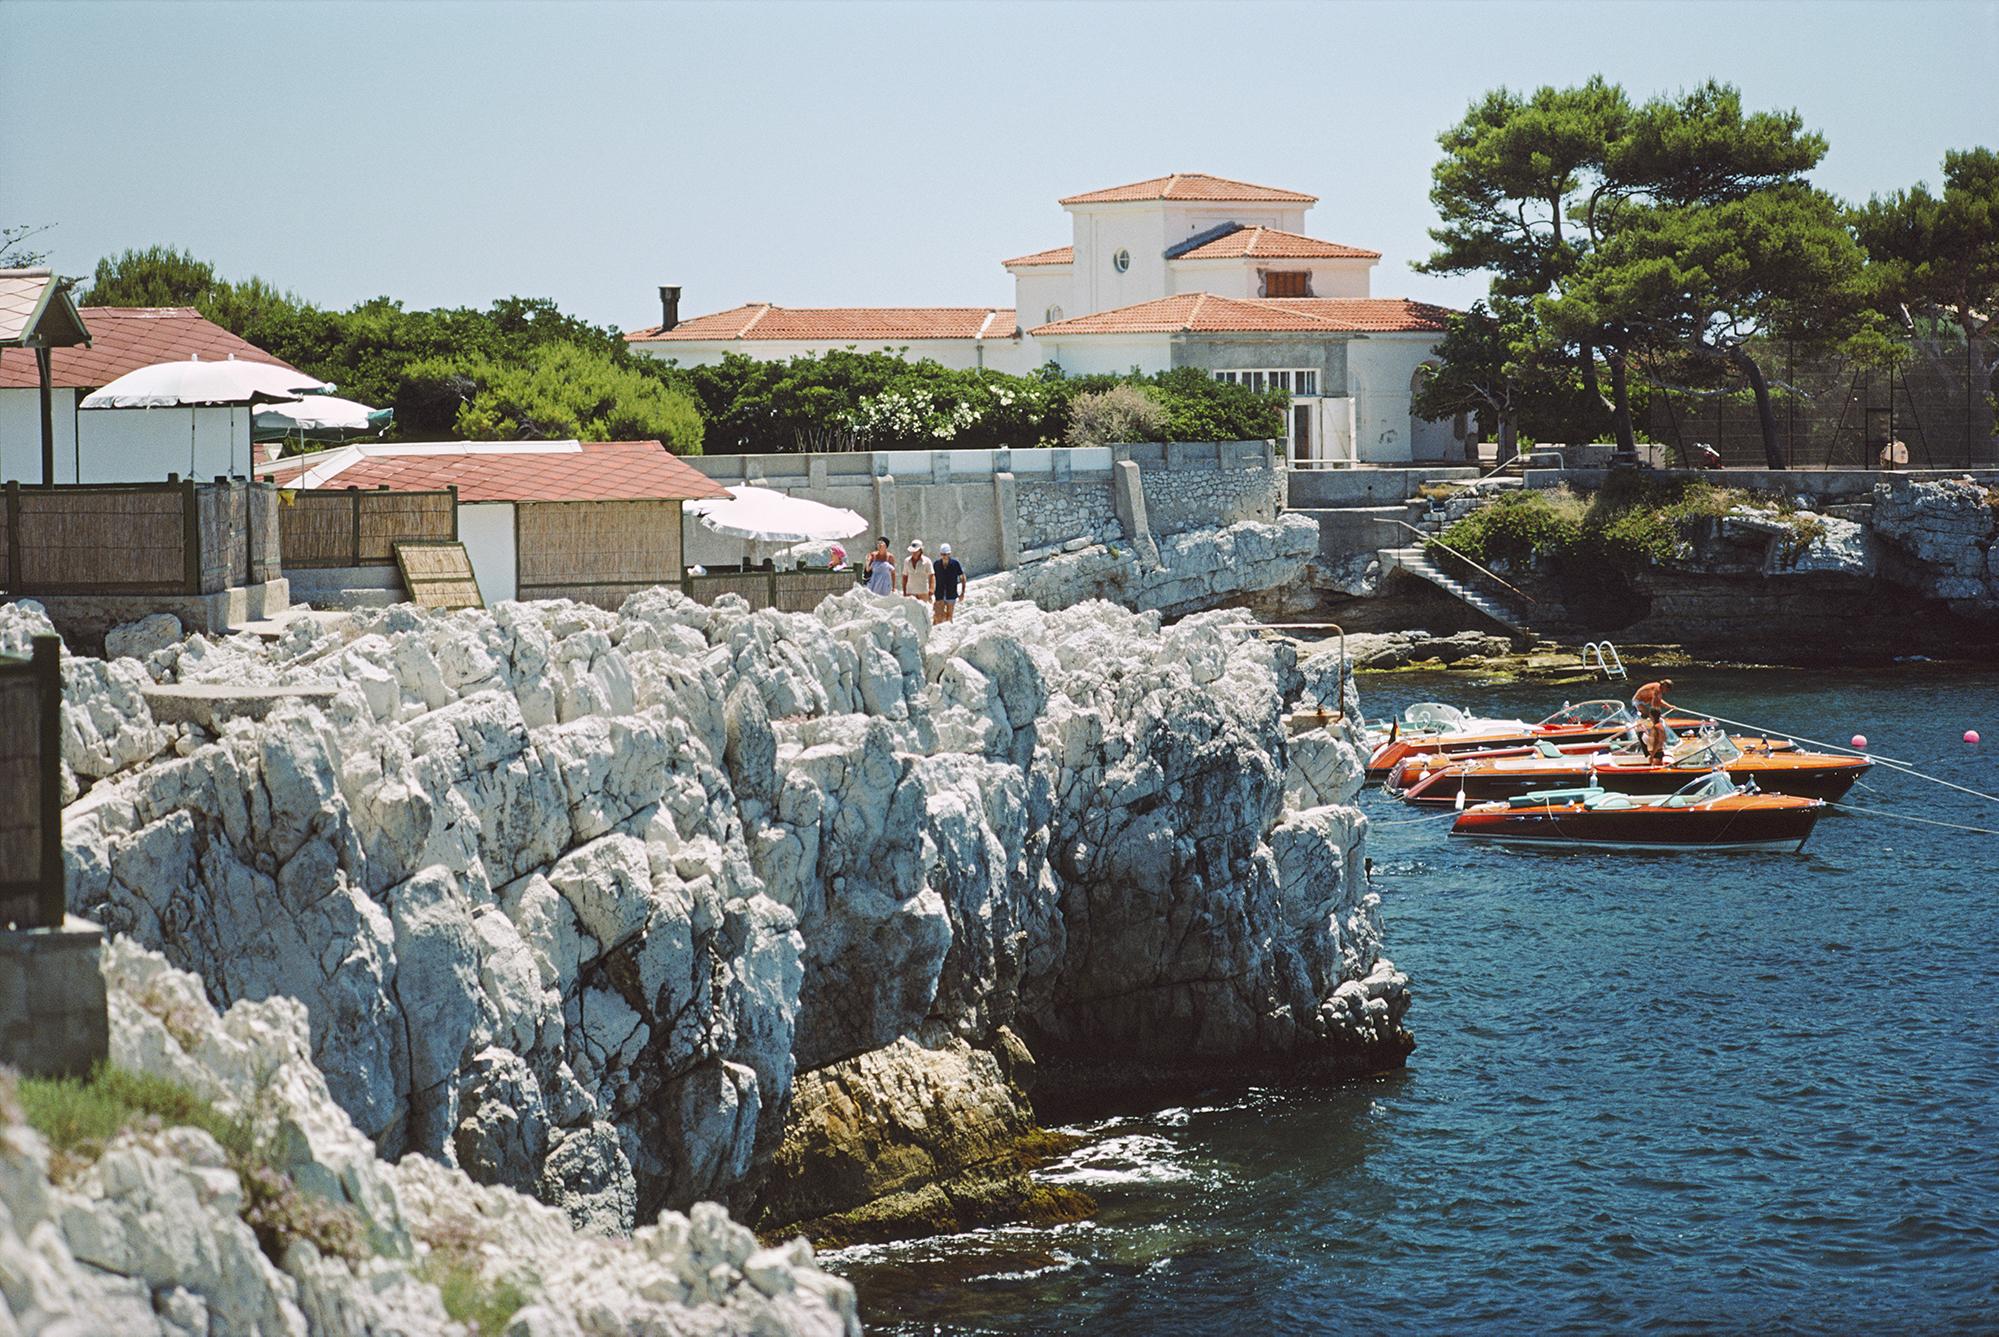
(317,418)
(196,384)
(766,516)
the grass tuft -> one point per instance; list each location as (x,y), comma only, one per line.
(79,1117)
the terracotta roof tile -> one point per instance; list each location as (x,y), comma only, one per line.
(1058,255)
(762,320)
(1194,187)
(1267,243)
(125,338)
(508,471)
(1206,313)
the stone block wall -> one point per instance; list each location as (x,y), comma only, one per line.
(1054,513)
(1178,500)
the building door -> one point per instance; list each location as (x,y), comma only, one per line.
(1301,434)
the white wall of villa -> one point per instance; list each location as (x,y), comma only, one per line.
(120,445)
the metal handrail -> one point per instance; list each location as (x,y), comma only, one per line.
(1433,539)
(1611,667)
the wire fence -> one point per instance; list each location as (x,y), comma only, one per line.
(1926,410)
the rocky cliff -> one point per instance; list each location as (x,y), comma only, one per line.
(786,911)
(161,1229)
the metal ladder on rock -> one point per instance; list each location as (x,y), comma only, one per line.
(1603,656)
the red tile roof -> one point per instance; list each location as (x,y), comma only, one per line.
(1058,255)
(126,338)
(762,320)
(1205,313)
(1191,186)
(1267,243)
(508,471)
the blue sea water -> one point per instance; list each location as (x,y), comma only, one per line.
(1671,1093)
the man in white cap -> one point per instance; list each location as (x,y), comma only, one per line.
(916,578)
(948,581)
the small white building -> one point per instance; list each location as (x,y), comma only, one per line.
(124,445)
(587,520)
(1186,270)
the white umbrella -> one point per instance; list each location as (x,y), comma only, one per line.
(194,384)
(765,516)
(319,415)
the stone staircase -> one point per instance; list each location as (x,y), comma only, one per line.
(1507,612)
(1427,520)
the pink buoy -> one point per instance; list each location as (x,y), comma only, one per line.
(1860,740)
(1971,735)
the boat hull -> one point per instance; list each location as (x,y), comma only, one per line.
(1761,822)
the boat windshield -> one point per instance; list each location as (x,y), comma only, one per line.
(1433,715)
(1713,785)
(1708,747)
(1590,713)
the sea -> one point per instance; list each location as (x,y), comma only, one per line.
(1713,1092)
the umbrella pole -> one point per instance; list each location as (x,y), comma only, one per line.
(190,440)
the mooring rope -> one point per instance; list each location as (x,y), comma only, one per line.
(1900,766)
(1910,817)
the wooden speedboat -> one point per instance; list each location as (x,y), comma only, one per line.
(1710,813)
(1434,728)
(1626,770)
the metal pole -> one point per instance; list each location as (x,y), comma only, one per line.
(45,374)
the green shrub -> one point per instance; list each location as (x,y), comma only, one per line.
(469,1297)
(1123,413)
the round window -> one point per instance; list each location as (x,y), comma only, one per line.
(1121,261)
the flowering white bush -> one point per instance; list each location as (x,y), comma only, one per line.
(908,414)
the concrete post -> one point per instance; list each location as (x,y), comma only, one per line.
(53,1021)
(885,511)
(1128,501)
(815,473)
(1006,510)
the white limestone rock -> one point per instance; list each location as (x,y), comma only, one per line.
(571,897)
(138,639)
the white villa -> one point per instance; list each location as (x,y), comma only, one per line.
(1178,271)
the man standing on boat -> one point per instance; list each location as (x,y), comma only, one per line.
(1652,698)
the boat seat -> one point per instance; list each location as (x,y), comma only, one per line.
(1607,799)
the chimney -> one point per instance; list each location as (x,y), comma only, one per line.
(669,307)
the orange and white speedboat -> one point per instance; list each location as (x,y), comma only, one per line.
(1708,813)
(1432,727)
(1626,769)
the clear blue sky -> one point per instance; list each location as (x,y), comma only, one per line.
(827,154)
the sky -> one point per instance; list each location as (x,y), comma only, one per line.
(850,154)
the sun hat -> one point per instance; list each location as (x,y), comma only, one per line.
(916,545)
(943,547)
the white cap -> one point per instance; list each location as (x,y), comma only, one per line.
(943,547)
(916,545)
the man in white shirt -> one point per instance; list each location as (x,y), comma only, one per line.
(918,581)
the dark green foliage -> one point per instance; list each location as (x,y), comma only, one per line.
(522,369)
(877,401)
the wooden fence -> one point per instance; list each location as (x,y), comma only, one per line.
(31,873)
(349,527)
(788,591)
(176,537)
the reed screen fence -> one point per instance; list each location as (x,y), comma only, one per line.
(176,537)
(349,527)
